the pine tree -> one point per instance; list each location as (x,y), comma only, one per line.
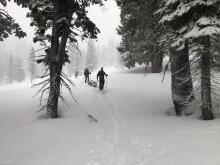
(64,18)
(195,21)
(8,24)
(75,57)
(32,64)
(140,33)
(11,69)
(91,56)
(18,71)
(181,86)
(15,69)
(7,28)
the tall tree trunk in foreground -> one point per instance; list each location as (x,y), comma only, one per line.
(57,53)
(205,65)
(182,86)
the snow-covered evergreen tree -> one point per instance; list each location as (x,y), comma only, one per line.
(216,53)
(195,21)
(140,32)
(15,69)
(2,69)
(8,24)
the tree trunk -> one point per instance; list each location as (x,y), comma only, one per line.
(157,62)
(52,105)
(57,53)
(54,80)
(182,86)
(55,76)
(206,101)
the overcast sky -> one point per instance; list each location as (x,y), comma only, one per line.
(107,19)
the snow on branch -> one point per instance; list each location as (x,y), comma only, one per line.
(170,2)
(208,21)
(184,8)
(197,32)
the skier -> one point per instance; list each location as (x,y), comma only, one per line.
(101,77)
(86,74)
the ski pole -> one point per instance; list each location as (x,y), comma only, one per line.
(106,82)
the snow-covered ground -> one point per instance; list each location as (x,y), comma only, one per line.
(132,129)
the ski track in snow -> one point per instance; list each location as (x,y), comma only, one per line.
(113,150)
(103,102)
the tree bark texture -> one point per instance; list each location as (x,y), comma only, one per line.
(205,65)
(181,86)
(57,53)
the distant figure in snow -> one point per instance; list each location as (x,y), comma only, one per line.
(86,74)
(101,77)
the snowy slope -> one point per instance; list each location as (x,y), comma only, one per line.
(132,128)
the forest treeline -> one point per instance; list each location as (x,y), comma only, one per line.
(14,68)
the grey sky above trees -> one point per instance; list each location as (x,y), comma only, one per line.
(107,23)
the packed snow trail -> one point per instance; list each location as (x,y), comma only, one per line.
(105,103)
(132,129)
(121,149)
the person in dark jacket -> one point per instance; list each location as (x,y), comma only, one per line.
(101,77)
(86,74)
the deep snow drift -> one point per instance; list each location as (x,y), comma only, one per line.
(132,128)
